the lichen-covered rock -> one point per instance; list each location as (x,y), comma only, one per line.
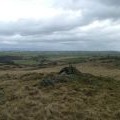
(69,70)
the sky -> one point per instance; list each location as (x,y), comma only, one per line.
(60,25)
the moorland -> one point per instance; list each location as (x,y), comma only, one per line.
(32,87)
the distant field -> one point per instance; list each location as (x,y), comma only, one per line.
(96,63)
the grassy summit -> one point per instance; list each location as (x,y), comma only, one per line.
(74,97)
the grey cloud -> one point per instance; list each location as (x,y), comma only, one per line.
(110,2)
(93,9)
(63,32)
(28,27)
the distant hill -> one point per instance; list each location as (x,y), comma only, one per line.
(8,59)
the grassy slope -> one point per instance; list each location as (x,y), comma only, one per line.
(90,98)
(82,98)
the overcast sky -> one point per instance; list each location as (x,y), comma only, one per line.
(60,25)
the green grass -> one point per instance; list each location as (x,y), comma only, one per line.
(25,62)
(76,60)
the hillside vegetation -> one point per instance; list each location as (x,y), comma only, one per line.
(86,89)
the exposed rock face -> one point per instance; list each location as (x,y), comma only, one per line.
(63,76)
(69,70)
